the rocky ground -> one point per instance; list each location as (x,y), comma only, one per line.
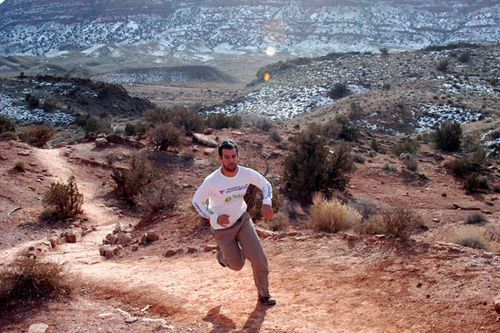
(169,280)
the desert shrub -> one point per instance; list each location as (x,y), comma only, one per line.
(164,136)
(448,136)
(130,182)
(409,146)
(32,101)
(275,135)
(496,188)
(37,135)
(310,166)
(19,165)
(156,116)
(365,207)
(462,166)
(130,129)
(159,196)
(49,104)
(400,221)
(483,182)
(372,225)
(263,124)
(220,120)
(65,198)
(349,132)
(279,222)
(476,218)
(464,57)
(356,112)
(333,216)
(442,65)
(471,183)
(338,91)
(470,236)
(410,162)
(111,158)
(6,125)
(386,87)
(375,146)
(31,279)
(331,129)
(187,156)
(493,81)
(9,136)
(186,119)
(91,124)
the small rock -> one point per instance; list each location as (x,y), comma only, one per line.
(102,250)
(101,143)
(109,253)
(496,302)
(38,328)
(435,220)
(117,228)
(204,140)
(24,153)
(152,236)
(208,151)
(131,320)
(193,249)
(135,248)
(124,239)
(170,252)
(70,237)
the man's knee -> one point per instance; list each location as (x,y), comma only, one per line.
(236,266)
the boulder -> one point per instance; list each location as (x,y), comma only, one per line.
(102,250)
(38,328)
(101,143)
(152,236)
(124,239)
(24,153)
(70,237)
(170,252)
(204,140)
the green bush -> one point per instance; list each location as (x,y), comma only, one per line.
(65,198)
(338,91)
(37,135)
(180,117)
(220,120)
(164,136)
(32,101)
(6,125)
(130,182)
(471,183)
(448,136)
(409,146)
(91,124)
(462,166)
(130,129)
(28,279)
(310,166)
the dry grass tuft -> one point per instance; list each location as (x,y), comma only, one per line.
(400,221)
(30,279)
(472,236)
(279,222)
(333,216)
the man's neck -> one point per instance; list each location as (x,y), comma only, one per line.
(228,173)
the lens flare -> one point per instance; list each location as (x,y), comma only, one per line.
(267,76)
(271,51)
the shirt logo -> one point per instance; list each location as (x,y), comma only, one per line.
(221,191)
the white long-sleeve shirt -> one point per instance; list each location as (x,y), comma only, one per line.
(225,194)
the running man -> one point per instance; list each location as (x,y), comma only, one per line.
(230,223)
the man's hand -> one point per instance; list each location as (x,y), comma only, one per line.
(223,220)
(267,212)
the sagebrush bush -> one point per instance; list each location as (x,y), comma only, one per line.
(31,279)
(448,136)
(333,216)
(349,132)
(130,129)
(410,162)
(159,196)
(275,135)
(483,182)
(409,146)
(65,198)
(464,57)
(356,112)
(37,135)
(310,166)
(263,124)
(6,125)
(372,225)
(476,218)
(400,221)
(130,182)
(331,129)
(187,156)
(339,90)
(462,166)
(470,236)
(91,124)
(9,136)
(442,65)
(32,101)
(186,119)
(471,183)
(220,120)
(164,136)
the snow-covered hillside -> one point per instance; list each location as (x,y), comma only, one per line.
(296,27)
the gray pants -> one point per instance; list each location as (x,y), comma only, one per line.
(240,241)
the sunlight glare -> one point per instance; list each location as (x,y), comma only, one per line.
(271,51)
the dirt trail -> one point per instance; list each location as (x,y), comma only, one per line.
(322,284)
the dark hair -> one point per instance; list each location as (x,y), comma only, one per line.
(227,144)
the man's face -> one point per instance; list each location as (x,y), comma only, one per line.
(229,159)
